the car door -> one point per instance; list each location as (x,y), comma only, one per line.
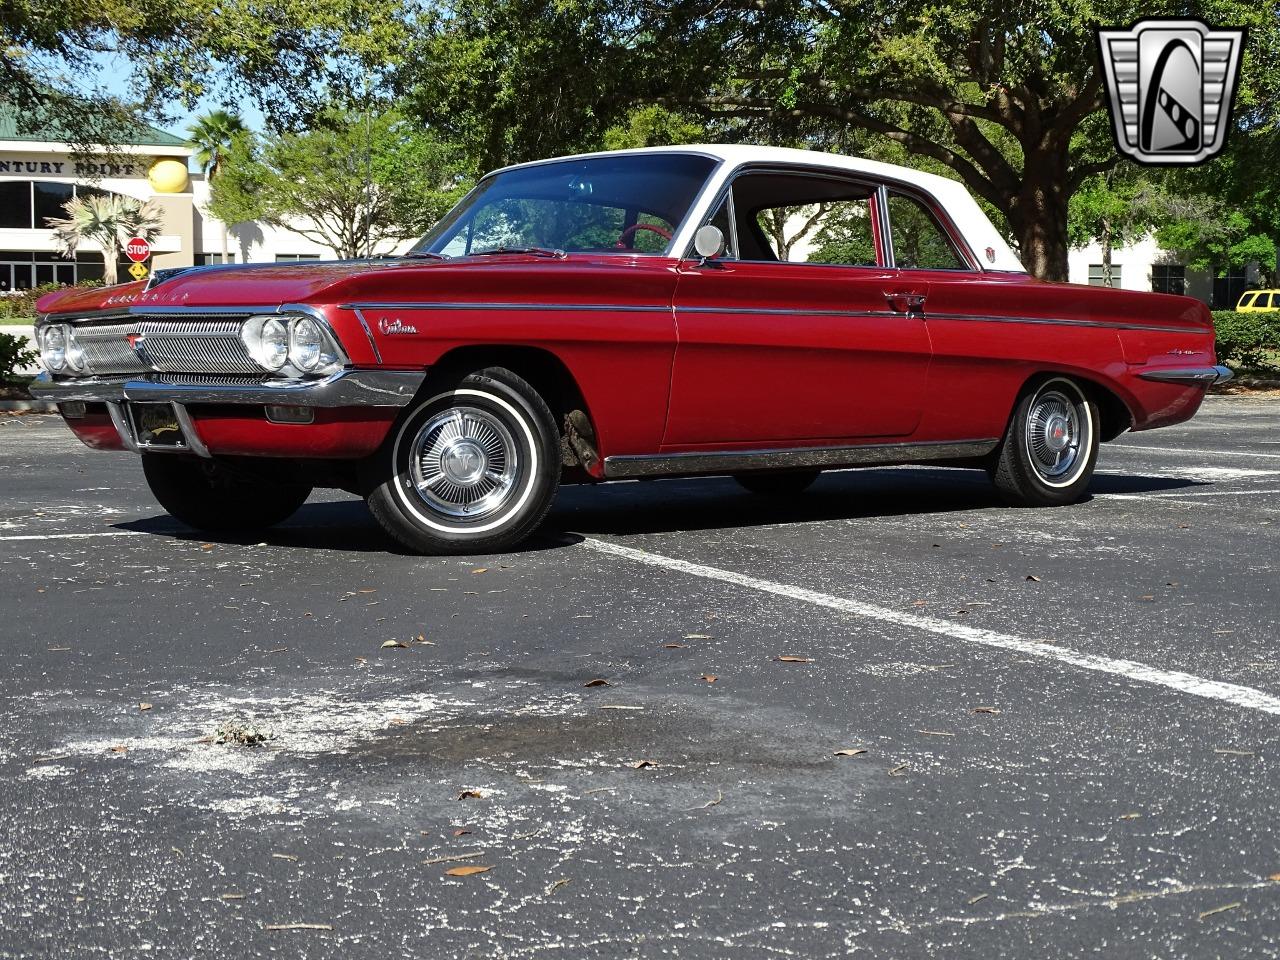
(802,333)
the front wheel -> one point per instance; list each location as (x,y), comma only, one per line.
(1050,448)
(217,498)
(471,469)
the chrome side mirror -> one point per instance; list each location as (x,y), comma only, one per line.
(709,242)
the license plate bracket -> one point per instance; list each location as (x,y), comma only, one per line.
(156,425)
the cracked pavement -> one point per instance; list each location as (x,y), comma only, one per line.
(1006,804)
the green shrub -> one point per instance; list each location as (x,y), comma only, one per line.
(13,355)
(1248,339)
(22,305)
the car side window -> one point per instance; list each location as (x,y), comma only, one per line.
(919,241)
(1265,300)
(833,232)
(783,217)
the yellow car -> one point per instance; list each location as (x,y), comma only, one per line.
(1257,301)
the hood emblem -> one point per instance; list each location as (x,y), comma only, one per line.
(397,326)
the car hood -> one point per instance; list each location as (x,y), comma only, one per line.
(256,285)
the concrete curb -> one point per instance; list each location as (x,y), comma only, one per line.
(27,406)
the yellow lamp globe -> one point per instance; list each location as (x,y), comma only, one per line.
(168,176)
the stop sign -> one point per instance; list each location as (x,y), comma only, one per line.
(137,249)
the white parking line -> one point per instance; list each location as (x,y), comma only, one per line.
(79,536)
(1203,453)
(1183,496)
(1235,694)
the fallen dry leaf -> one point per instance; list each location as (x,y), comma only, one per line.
(461,832)
(285,856)
(206,546)
(1222,909)
(394,643)
(598,682)
(919,603)
(1033,578)
(697,636)
(642,764)
(556,885)
(480,570)
(1274,878)
(118,748)
(451,857)
(791,658)
(936,733)
(468,871)
(709,677)
(232,896)
(470,795)
(1130,816)
(421,638)
(992,710)
(362,659)
(298,926)
(675,646)
(897,771)
(1233,753)
(850,752)
(982,896)
(58,649)
(144,706)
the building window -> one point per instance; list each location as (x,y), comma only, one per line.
(26,204)
(209,259)
(1229,287)
(280,257)
(22,270)
(15,204)
(1169,278)
(1095,275)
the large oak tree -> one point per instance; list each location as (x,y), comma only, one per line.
(1006,95)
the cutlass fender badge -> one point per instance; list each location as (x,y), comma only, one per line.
(396,326)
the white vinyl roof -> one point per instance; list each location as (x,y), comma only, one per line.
(989,247)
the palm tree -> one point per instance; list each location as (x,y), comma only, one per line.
(211,136)
(109,220)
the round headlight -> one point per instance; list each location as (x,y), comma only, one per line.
(306,344)
(76,359)
(53,347)
(267,340)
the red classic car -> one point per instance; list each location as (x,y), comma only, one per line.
(758,312)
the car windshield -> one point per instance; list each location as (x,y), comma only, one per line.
(628,203)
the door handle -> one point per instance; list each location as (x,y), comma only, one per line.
(906,302)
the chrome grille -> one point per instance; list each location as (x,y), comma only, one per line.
(192,344)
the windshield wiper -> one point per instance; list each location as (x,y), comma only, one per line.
(421,255)
(536,251)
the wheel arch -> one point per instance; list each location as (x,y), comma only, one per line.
(1113,411)
(548,374)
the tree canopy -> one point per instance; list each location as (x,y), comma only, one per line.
(354,183)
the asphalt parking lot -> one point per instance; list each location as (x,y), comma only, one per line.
(1060,726)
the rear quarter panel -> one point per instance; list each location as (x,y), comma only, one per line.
(991,333)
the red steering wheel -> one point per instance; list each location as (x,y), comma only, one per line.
(631,231)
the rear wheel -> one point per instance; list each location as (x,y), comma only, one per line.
(1050,448)
(215,497)
(782,483)
(471,469)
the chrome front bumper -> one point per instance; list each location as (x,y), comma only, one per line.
(1202,376)
(346,388)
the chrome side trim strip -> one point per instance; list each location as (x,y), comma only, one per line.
(793,458)
(377,354)
(347,388)
(1205,376)
(479,305)
(759,311)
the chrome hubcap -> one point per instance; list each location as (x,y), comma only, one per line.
(464,463)
(1053,435)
